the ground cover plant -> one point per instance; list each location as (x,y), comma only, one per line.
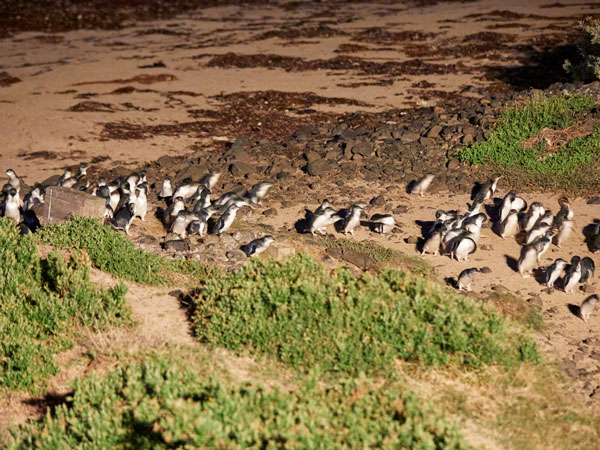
(41,303)
(588,66)
(505,150)
(112,252)
(300,313)
(159,403)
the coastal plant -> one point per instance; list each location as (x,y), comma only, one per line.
(307,317)
(42,302)
(588,66)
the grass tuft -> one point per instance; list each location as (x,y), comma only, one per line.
(42,301)
(112,252)
(307,317)
(160,403)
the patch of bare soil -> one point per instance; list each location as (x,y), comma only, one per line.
(6,79)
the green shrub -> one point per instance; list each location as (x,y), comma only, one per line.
(304,316)
(588,68)
(41,301)
(519,123)
(160,404)
(112,252)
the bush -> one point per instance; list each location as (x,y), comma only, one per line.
(304,316)
(588,68)
(112,252)
(160,404)
(41,303)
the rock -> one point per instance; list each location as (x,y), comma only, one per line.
(280,250)
(536,301)
(240,169)
(61,203)
(359,259)
(485,269)
(378,201)
(236,255)
(409,137)
(434,131)
(317,168)
(312,156)
(467,139)
(243,236)
(177,245)
(228,241)
(271,212)
(499,288)
(362,148)
(165,161)
(594,201)
(400,209)
(453,164)
(412,240)
(282,175)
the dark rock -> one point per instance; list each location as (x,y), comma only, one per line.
(412,240)
(282,175)
(485,269)
(362,148)
(453,164)
(236,255)
(400,209)
(536,301)
(378,201)
(409,137)
(467,139)
(594,201)
(177,245)
(61,203)
(319,167)
(499,288)
(334,253)
(312,156)
(271,212)
(434,131)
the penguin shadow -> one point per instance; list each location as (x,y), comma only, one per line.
(303,225)
(372,226)
(539,275)
(512,263)
(410,186)
(186,302)
(420,244)
(574,309)
(476,189)
(452,282)
(493,210)
(426,227)
(211,225)
(159,213)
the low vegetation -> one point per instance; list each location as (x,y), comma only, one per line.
(159,403)
(306,317)
(112,252)
(587,66)
(42,302)
(504,147)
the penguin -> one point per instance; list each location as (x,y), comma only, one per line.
(432,245)
(527,260)
(543,244)
(382,223)
(209,180)
(257,192)
(166,190)
(141,201)
(66,179)
(324,205)
(554,271)
(179,225)
(352,219)
(132,181)
(466,278)
(34,197)
(587,307)
(587,269)
(12,208)
(186,189)
(546,219)
(536,210)
(227,218)
(487,190)
(573,275)
(420,186)
(13,180)
(510,225)
(172,211)
(462,246)
(511,201)
(564,231)
(319,222)
(123,217)
(594,237)
(257,246)
(201,199)
(537,232)
(565,213)
(226,198)
(197,227)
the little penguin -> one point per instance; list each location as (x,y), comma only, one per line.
(554,271)
(432,245)
(172,211)
(352,219)
(462,246)
(587,269)
(536,210)
(257,192)
(594,237)
(510,225)
(227,218)
(587,307)
(487,190)
(527,260)
(319,221)
(141,201)
(543,244)
(201,198)
(257,246)
(573,275)
(13,179)
(179,225)
(166,190)
(382,223)
(12,208)
(564,231)
(565,213)
(123,217)
(511,201)
(420,186)
(34,197)
(209,180)
(466,278)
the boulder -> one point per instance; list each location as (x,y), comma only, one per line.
(61,203)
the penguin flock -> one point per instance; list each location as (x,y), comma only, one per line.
(189,210)
(456,234)
(188,205)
